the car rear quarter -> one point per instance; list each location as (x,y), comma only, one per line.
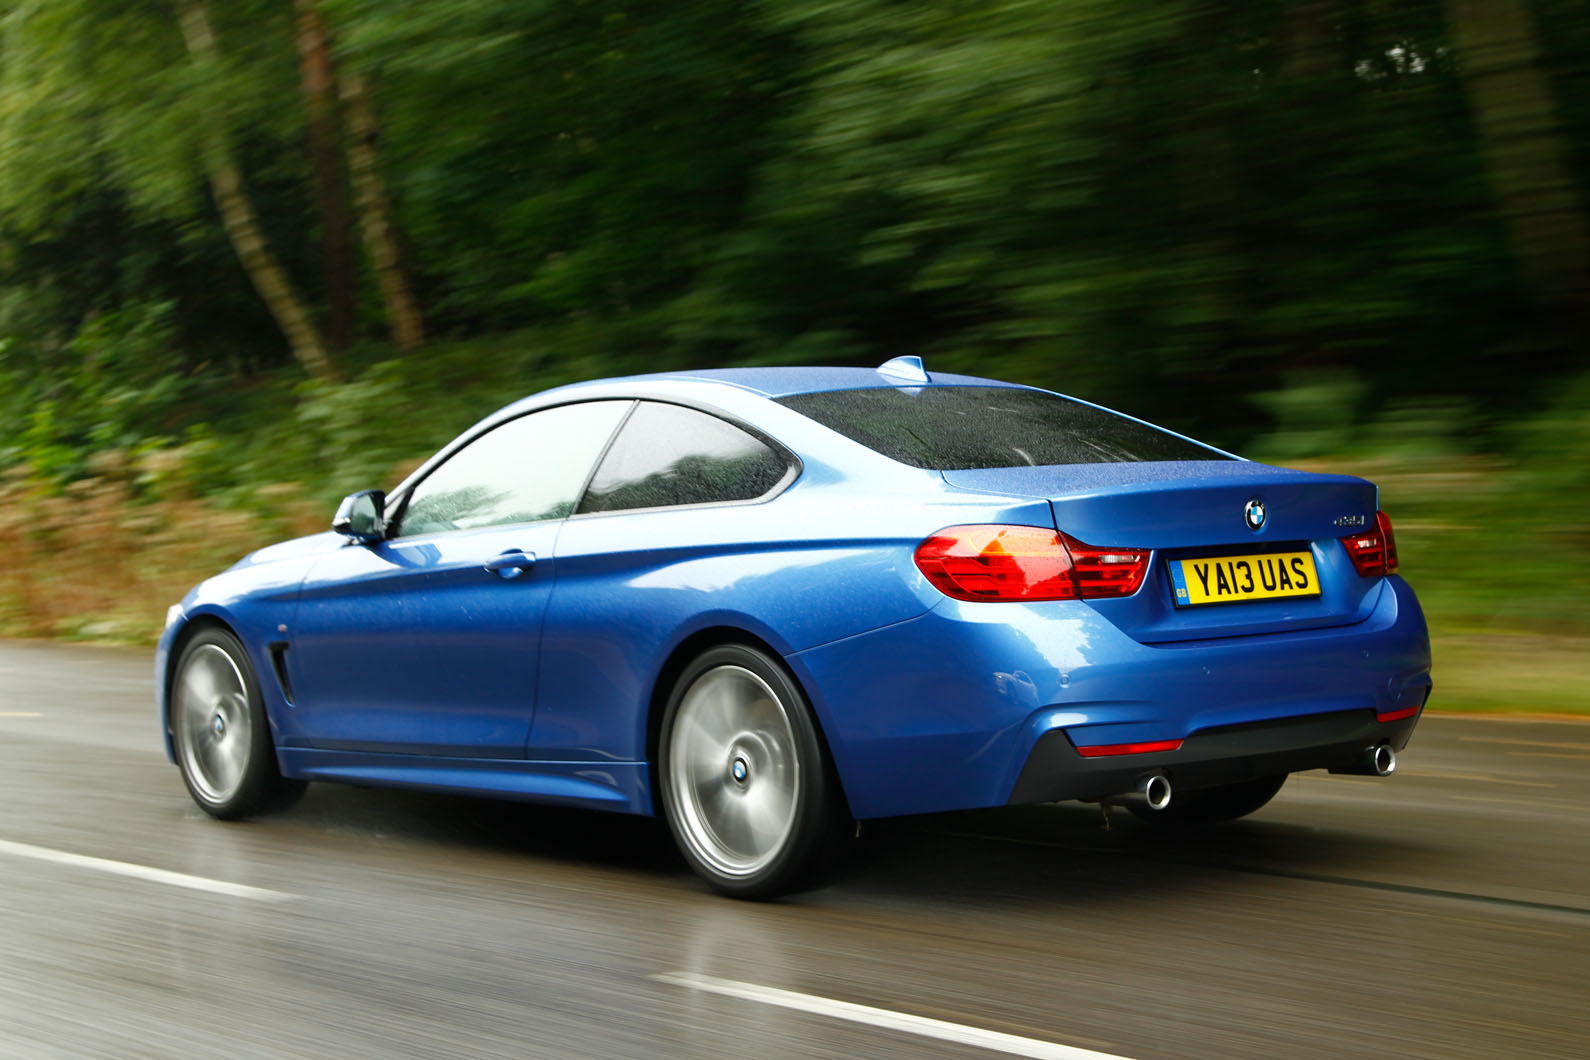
(984,701)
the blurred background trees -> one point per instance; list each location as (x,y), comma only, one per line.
(305,240)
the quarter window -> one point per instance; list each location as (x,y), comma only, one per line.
(522,471)
(668,455)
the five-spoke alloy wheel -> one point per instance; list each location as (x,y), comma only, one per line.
(220,733)
(748,790)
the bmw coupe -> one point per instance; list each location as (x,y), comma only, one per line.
(766,603)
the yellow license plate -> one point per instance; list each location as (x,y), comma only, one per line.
(1233,579)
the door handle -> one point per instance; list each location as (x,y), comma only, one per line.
(512,563)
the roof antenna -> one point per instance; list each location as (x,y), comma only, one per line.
(904,370)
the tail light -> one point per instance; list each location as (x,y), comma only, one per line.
(1373,552)
(1026,563)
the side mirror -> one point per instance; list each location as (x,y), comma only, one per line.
(360,516)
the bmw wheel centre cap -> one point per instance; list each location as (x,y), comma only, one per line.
(1253,514)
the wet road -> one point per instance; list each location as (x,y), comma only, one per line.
(1444,912)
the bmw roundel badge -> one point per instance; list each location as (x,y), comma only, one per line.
(1253,514)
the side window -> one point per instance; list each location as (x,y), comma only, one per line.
(527,469)
(667,455)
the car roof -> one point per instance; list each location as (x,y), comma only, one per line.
(777,382)
(750,396)
(736,391)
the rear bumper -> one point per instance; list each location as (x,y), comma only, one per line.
(1211,757)
(981,704)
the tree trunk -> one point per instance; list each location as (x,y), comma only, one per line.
(1515,116)
(242,223)
(375,214)
(1307,40)
(318,77)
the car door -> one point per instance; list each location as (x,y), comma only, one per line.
(427,642)
(662,521)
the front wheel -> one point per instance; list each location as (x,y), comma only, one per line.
(220,732)
(748,790)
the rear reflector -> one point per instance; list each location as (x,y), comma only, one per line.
(1396,715)
(1373,552)
(1016,563)
(1148,747)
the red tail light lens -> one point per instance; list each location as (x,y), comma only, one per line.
(1104,572)
(1373,552)
(1026,563)
(997,563)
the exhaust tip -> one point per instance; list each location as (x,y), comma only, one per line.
(1377,761)
(1155,791)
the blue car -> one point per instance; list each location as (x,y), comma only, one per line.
(765,603)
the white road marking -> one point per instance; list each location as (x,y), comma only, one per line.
(20,714)
(943,1030)
(142,872)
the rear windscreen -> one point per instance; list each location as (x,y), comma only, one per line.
(949,428)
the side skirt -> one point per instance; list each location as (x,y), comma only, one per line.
(623,787)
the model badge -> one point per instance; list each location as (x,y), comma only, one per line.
(1254,515)
(1352,520)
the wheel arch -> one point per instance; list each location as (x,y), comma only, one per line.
(684,652)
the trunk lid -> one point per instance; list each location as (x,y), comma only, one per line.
(1197,511)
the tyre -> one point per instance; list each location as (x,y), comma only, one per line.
(747,787)
(221,735)
(1210,805)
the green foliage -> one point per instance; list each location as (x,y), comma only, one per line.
(1167,206)
(114,386)
(565,158)
(102,93)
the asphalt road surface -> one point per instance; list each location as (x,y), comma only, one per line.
(1443,912)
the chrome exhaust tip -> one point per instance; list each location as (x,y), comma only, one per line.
(1151,790)
(1155,791)
(1377,761)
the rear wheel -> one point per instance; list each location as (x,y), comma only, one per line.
(749,794)
(1210,805)
(220,732)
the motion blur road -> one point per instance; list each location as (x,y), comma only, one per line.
(1443,912)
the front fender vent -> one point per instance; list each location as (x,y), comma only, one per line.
(278,650)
